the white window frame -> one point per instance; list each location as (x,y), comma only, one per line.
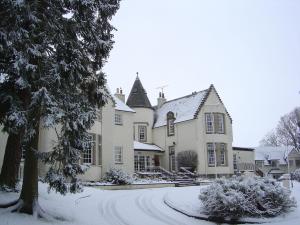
(211,154)
(87,157)
(99,144)
(209,122)
(234,161)
(118,119)
(223,154)
(118,154)
(220,122)
(142,131)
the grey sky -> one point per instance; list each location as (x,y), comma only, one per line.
(250,51)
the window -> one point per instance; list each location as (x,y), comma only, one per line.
(273,163)
(118,154)
(100,149)
(147,163)
(98,115)
(142,163)
(170,123)
(172,159)
(142,133)
(234,162)
(214,123)
(209,123)
(87,155)
(259,163)
(118,119)
(211,154)
(291,162)
(222,154)
(136,163)
(297,162)
(219,123)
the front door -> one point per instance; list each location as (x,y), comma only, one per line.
(172,160)
(156,160)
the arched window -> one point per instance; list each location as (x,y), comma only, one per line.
(170,123)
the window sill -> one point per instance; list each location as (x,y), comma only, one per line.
(119,163)
(119,124)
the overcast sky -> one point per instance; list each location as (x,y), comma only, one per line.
(249,49)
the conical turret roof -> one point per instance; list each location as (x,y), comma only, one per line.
(138,96)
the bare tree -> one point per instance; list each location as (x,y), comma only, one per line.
(271,139)
(286,131)
(287,128)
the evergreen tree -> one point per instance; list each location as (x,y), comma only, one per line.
(52,53)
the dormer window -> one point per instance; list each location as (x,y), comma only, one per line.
(170,123)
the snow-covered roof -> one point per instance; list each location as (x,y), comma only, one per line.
(266,153)
(146,147)
(183,108)
(121,106)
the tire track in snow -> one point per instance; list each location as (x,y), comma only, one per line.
(146,204)
(141,207)
(108,210)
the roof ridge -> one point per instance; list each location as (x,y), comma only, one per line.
(197,92)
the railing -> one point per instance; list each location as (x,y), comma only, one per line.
(187,172)
(156,169)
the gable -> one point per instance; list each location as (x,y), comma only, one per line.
(212,98)
(183,108)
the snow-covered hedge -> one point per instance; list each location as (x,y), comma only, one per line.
(245,196)
(296,175)
(117,176)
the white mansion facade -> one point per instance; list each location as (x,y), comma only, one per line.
(136,136)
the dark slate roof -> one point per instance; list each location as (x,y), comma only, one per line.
(242,149)
(138,96)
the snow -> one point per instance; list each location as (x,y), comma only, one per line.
(143,146)
(121,106)
(266,153)
(131,207)
(183,108)
(190,205)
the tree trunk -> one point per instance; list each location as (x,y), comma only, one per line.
(29,193)
(11,162)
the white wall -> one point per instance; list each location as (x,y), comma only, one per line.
(123,137)
(3,139)
(143,116)
(211,105)
(191,135)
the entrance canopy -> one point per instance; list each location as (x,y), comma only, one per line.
(138,146)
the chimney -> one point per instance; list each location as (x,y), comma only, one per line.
(119,94)
(161,99)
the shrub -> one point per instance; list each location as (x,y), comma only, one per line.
(245,196)
(296,175)
(117,176)
(188,159)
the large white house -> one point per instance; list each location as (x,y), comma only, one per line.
(136,136)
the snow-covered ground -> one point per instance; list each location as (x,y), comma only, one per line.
(130,207)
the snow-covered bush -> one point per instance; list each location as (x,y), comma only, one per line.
(117,176)
(245,196)
(296,175)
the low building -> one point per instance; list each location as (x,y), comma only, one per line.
(243,160)
(276,161)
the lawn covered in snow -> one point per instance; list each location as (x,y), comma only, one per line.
(131,207)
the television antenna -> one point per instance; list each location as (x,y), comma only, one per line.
(162,88)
